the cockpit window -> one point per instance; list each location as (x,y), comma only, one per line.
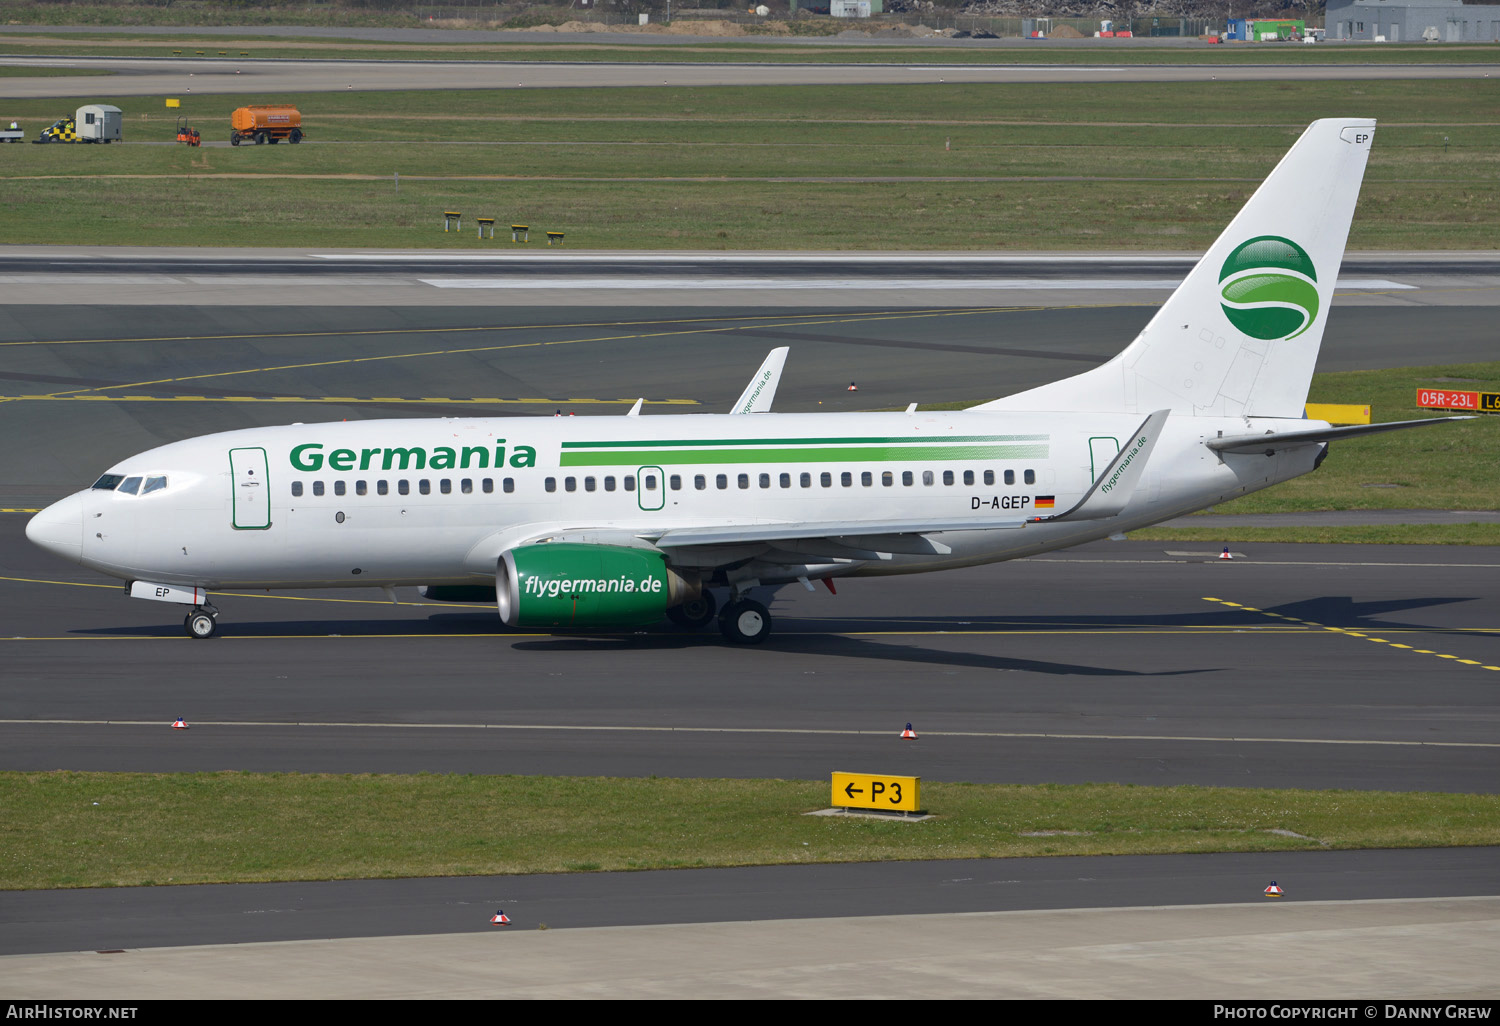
(130,486)
(153,484)
(109,482)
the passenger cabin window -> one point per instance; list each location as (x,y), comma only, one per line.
(1010,477)
(1030,477)
(609,483)
(648,482)
(743,480)
(846,479)
(296,489)
(382,487)
(927,477)
(361,488)
(700,482)
(968,477)
(424,486)
(339,488)
(466,485)
(805,480)
(509,484)
(947,477)
(722,480)
(785,480)
(866,479)
(887,478)
(588,484)
(765,480)
(906,478)
(570,484)
(825,479)
(403,486)
(445,486)
(550,484)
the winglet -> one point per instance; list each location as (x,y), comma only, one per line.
(1111,491)
(757,396)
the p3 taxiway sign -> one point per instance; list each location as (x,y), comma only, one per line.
(877,791)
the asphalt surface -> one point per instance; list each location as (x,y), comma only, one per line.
(168,76)
(84,385)
(142,917)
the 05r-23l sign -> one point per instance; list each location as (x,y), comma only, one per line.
(877,791)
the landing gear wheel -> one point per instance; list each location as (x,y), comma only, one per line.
(200,623)
(694,613)
(745,622)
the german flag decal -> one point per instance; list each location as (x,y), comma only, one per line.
(1044,502)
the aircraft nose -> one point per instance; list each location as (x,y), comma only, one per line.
(59,528)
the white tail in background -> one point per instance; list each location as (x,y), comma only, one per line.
(1240,336)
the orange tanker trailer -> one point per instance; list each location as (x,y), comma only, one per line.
(265,124)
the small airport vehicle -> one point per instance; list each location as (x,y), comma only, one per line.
(269,123)
(12,134)
(614,523)
(92,123)
(187,134)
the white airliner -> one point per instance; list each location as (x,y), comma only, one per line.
(613,523)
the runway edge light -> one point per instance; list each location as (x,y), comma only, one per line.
(1273,891)
(500,918)
(909,734)
(179,724)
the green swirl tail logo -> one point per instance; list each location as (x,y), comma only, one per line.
(1268,288)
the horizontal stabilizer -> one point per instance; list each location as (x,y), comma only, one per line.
(1111,491)
(1272,442)
(757,396)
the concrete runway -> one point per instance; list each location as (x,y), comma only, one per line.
(179,76)
(1115,661)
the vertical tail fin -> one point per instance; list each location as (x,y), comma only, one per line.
(1240,336)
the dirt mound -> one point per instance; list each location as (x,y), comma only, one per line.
(1066,32)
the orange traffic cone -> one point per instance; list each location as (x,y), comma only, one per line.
(908,734)
(1273,891)
(1225,554)
(179,724)
(500,918)
(853,387)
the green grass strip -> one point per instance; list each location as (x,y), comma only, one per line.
(66,829)
(1354,534)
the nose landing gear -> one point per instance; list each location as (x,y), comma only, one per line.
(202,622)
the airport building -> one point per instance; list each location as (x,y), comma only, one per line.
(1408,21)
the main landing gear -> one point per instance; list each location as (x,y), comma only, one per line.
(745,622)
(202,622)
(695,612)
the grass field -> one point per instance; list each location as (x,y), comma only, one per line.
(644,48)
(878,167)
(125,829)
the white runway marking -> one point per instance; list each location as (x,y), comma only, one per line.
(882,284)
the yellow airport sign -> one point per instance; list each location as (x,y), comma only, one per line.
(877,791)
(1339,413)
(174,103)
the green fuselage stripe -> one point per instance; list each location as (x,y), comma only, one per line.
(827,454)
(717,442)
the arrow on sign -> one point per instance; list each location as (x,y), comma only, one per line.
(851,790)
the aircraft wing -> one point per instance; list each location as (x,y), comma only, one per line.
(757,396)
(1272,442)
(865,530)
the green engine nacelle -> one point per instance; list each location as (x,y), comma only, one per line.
(564,584)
